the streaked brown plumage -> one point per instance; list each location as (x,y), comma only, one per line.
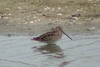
(50,37)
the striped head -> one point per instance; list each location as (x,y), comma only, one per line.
(58,28)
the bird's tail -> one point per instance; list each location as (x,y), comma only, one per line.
(35,39)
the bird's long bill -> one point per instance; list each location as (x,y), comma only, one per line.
(66,34)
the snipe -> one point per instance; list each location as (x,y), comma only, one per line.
(52,36)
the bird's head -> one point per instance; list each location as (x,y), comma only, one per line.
(58,28)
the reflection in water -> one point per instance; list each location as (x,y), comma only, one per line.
(51,50)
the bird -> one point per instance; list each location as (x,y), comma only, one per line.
(52,36)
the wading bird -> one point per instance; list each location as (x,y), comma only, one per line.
(52,36)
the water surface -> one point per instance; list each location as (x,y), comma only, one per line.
(82,51)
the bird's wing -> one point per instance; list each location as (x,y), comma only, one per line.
(47,36)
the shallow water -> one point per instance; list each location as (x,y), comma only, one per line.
(82,51)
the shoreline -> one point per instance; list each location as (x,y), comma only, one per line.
(76,27)
(31,18)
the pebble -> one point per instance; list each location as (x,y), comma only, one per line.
(31,22)
(59,14)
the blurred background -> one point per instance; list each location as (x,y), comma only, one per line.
(36,16)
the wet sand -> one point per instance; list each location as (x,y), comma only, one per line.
(77,27)
(35,17)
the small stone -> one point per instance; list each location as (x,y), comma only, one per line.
(9,35)
(19,7)
(27,19)
(59,8)
(0,17)
(92,28)
(31,22)
(39,19)
(7,8)
(25,23)
(6,17)
(9,14)
(59,14)
(53,9)
(47,8)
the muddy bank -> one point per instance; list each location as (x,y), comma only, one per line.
(42,26)
(34,17)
